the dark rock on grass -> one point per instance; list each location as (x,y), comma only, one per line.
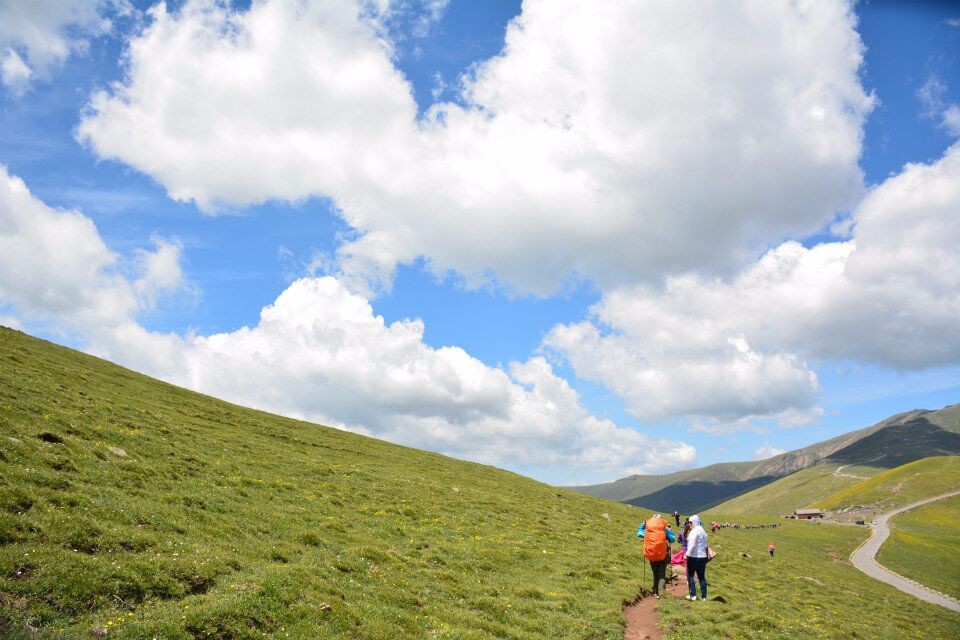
(48,436)
(22,572)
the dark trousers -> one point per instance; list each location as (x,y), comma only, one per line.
(659,568)
(698,567)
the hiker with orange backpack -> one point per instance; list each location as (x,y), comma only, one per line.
(656,548)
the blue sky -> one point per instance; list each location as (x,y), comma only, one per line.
(570,226)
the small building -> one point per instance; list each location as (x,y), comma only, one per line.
(808,514)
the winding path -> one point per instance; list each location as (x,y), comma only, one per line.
(864,558)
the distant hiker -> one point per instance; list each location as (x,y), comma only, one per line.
(656,538)
(771,548)
(676,516)
(697,559)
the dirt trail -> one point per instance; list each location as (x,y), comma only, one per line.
(642,617)
(864,558)
(837,472)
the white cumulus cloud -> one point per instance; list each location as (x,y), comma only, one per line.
(37,35)
(55,267)
(318,352)
(737,349)
(615,143)
(767,451)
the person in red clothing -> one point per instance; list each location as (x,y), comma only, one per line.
(656,548)
(771,548)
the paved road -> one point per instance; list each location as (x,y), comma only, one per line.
(864,558)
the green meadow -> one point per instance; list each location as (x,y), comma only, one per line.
(130,508)
(899,486)
(924,544)
(808,589)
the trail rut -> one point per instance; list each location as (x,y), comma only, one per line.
(642,616)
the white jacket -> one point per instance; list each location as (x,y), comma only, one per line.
(697,543)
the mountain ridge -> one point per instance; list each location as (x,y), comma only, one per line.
(901,438)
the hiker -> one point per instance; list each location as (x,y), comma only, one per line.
(657,537)
(697,559)
(676,516)
(680,557)
(684,535)
(771,548)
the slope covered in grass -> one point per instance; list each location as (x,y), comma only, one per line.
(902,485)
(924,544)
(796,491)
(136,507)
(808,589)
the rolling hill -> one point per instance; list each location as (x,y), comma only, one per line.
(797,490)
(897,440)
(897,487)
(832,487)
(133,509)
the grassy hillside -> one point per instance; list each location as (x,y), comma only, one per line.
(807,590)
(900,486)
(897,440)
(924,544)
(797,490)
(134,507)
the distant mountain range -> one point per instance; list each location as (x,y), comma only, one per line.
(895,441)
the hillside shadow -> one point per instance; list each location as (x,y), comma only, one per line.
(899,444)
(698,495)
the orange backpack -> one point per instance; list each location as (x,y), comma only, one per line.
(655,539)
